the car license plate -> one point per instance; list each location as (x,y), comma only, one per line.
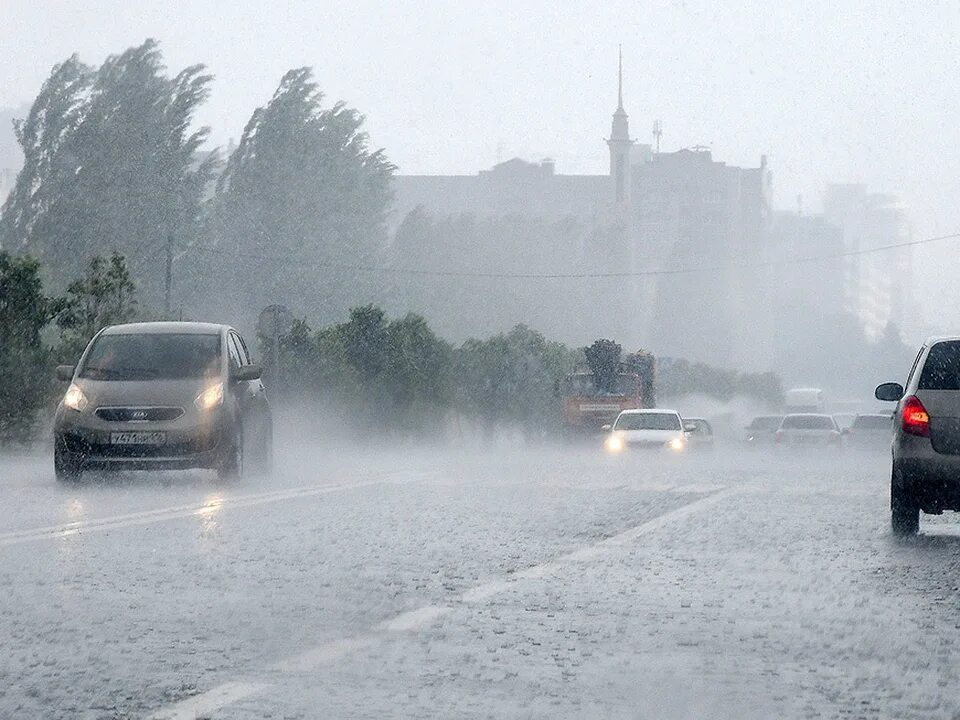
(137,438)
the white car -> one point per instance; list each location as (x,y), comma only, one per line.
(650,429)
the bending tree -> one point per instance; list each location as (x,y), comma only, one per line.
(301,205)
(110,164)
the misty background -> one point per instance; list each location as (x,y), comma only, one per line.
(815,103)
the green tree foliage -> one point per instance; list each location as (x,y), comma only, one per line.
(110,164)
(513,379)
(603,359)
(103,296)
(25,364)
(416,374)
(302,201)
(389,374)
(365,341)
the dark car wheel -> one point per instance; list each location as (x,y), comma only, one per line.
(231,463)
(66,465)
(904,509)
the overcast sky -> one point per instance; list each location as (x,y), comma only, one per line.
(829,91)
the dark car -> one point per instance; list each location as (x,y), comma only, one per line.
(163,395)
(762,429)
(699,433)
(925,474)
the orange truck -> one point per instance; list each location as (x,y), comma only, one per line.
(586,408)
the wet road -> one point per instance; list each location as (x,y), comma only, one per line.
(511,584)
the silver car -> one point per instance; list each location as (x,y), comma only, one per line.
(808,430)
(163,395)
(925,473)
(870,431)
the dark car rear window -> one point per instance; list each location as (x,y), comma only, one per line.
(941,371)
(770,422)
(808,422)
(872,422)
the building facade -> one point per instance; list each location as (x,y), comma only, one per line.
(877,286)
(678,229)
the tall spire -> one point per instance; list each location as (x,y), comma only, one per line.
(620,130)
(620,78)
(620,143)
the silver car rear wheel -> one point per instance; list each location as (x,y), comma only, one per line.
(904,509)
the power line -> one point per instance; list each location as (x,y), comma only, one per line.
(300,261)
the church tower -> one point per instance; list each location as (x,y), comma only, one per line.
(620,144)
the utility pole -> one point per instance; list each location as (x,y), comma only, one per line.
(168,277)
(657,132)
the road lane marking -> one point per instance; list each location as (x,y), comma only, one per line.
(205,703)
(592,552)
(697,488)
(321,655)
(413,620)
(146,517)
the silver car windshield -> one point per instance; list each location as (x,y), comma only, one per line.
(153,356)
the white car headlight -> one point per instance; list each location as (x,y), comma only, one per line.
(210,398)
(614,444)
(75,399)
(677,444)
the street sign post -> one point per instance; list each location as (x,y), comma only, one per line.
(274,322)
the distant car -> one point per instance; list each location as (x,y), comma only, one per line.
(926,436)
(699,433)
(844,420)
(808,430)
(761,429)
(163,395)
(655,429)
(803,400)
(870,431)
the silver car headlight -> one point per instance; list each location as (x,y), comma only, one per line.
(74,398)
(210,398)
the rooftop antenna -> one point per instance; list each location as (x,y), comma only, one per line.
(657,132)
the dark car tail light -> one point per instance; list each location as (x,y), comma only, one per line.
(914,418)
(778,436)
(835,436)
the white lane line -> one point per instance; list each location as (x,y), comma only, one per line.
(414,619)
(320,655)
(205,703)
(592,552)
(697,488)
(146,517)
(311,660)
